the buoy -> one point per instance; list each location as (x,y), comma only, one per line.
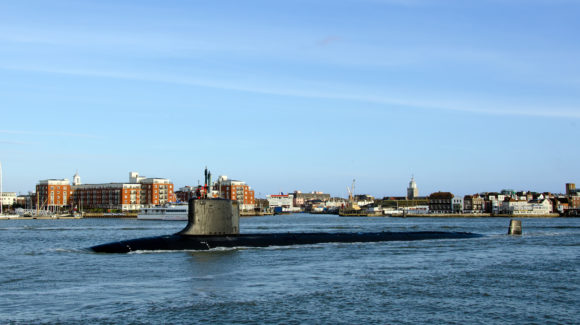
(515,227)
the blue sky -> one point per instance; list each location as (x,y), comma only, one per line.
(468,96)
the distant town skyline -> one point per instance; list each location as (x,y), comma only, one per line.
(468,96)
(76,179)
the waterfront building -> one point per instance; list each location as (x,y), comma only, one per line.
(185,193)
(225,188)
(417,209)
(114,196)
(473,204)
(335,202)
(571,189)
(548,195)
(21,200)
(330,204)
(261,204)
(138,193)
(526,195)
(8,199)
(27,201)
(156,191)
(457,204)
(363,200)
(314,206)
(441,202)
(560,204)
(401,202)
(412,190)
(284,201)
(236,190)
(574,201)
(301,199)
(493,202)
(515,206)
(53,194)
(134,178)
(508,192)
(76,179)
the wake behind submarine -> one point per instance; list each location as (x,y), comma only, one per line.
(215,222)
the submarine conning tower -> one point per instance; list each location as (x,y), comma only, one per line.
(207,217)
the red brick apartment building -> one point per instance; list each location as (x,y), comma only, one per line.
(53,193)
(156,191)
(185,193)
(137,193)
(107,196)
(441,202)
(235,190)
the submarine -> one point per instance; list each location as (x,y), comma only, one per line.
(214,223)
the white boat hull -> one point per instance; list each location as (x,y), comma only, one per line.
(162,217)
(171,213)
(9,216)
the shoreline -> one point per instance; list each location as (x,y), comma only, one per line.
(479,215)
(40,218)
(442,215)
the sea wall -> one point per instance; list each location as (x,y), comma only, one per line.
(480,215)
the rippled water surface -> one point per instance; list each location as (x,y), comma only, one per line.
(48,276)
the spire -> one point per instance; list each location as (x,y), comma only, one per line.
(412,183)
(76,179)
(412,190)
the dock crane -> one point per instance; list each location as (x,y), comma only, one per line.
(351,192)
(352,209)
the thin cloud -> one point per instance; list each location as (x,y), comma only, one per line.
(328,40)
(14,142)
(50,134)
(405,3)
(426,103)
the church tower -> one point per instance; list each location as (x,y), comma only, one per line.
(412,190)
(76,179)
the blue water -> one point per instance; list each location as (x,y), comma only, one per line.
(47,275)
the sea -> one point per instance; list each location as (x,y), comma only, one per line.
(48,276)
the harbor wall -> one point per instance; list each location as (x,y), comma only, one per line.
(123,215)
(480,215)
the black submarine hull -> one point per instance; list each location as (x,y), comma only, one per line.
(189,242)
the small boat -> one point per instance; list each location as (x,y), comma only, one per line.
(175,212)
(9,216)
(351,209)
